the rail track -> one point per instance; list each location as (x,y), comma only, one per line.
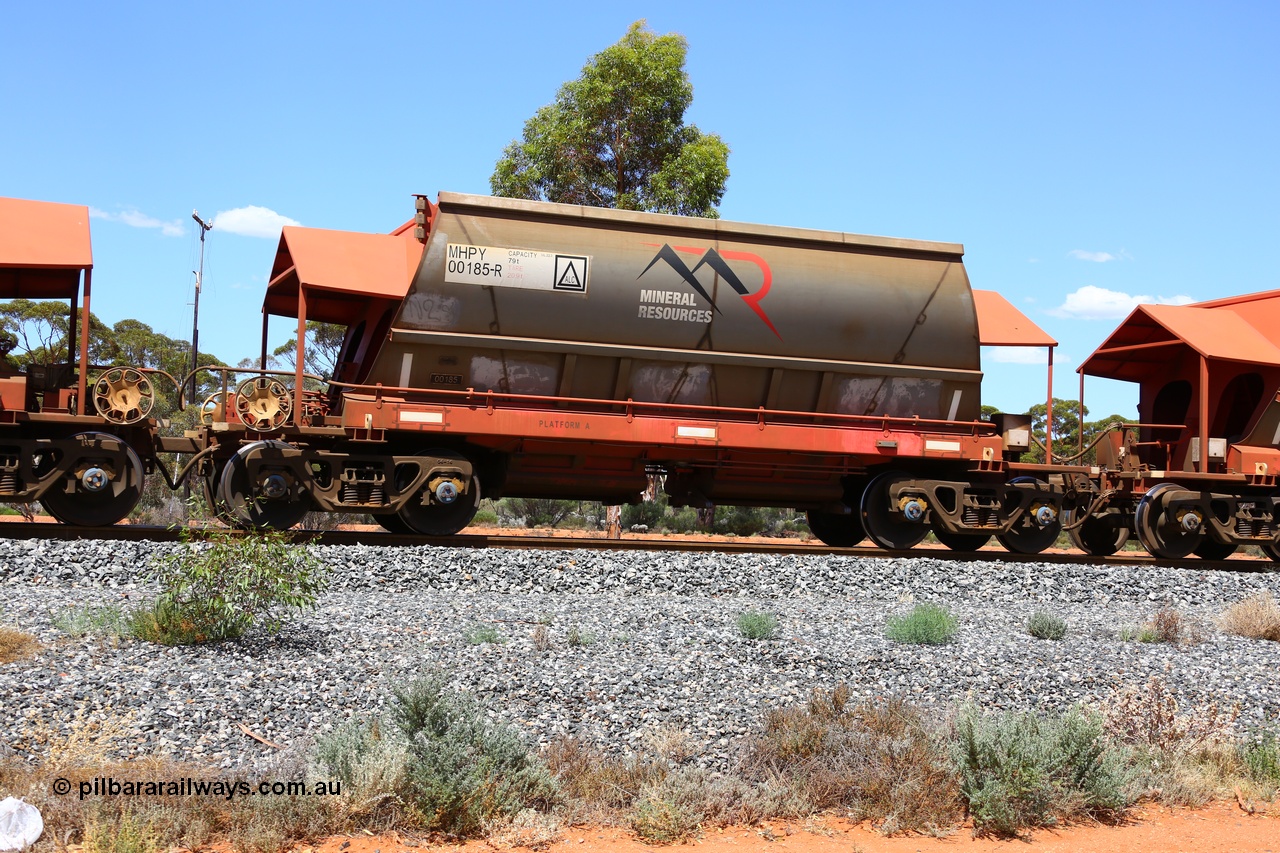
(634,542)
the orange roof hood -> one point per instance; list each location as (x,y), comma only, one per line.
(339,268)
(43,248)
(1142,342)
(1002,325)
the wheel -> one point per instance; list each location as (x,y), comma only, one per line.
(213,409)
(437,519)
(1211,549)
(1096,536)
(123,395)
(1028,536)
(836,529)
(1273,551)
(1159,532)
(887,527)
(102,490)
(269,503)
(392,523)
(263,403)
(963,542)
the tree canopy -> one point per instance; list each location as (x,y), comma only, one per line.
(36,332)
(1066,429)
(323,346)
(616,137)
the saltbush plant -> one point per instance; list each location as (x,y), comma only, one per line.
(1260,755)
(756,625)
(219,589)
(927,624)
(1019,770)
(436,762)
(1044,625)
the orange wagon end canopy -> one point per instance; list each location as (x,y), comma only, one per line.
(1002,325)
(43,249)
(341,271)
(1143,344)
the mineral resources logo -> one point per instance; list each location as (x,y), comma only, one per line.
(718,262)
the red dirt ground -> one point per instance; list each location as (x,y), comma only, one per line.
(1219,828)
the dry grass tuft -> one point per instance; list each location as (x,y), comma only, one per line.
(1174,628)
(1150,717)
(1257,616)
(880,760)
(15,644)
(1166,626)
(599,786)
(528,829)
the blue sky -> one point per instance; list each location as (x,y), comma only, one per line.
(1086,154)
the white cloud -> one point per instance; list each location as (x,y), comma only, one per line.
(1016,355)
(1096,257)
(136,219)
(252,221)
(1098,303)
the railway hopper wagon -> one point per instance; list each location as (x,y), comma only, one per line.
(544,350)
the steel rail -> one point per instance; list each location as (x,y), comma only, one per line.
(635,542)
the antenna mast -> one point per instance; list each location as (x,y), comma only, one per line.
(205,228)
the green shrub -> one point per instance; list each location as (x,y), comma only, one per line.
(1260,755)
(682,520)
(462,770)
(479,633)
(927,624)
(219,589)
(1044,625)
(755,625)
(485,518)
(1019,771)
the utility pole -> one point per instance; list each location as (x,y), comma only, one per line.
(205,228)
